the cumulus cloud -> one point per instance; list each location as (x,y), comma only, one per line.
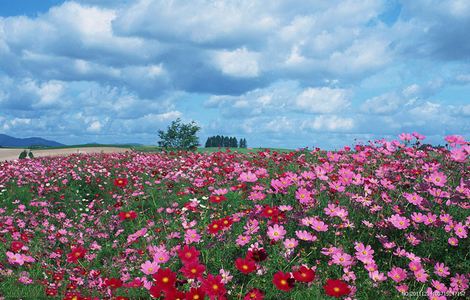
(238,63)
(323,100)
(280,71)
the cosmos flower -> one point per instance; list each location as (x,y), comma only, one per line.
(283,281)
(246,266)
(336,288)
(276,232)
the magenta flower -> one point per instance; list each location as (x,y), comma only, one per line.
(441,270)
(319,226)
(191,236)
(15,258)
(397,274)
(242,240)
(399,222)
(290,243)
(421,275)
(342,259)
(460,230)
(304,196)
(459,282)
(437,178)
(305,236)
(247,177)
(276,232)
(149,268)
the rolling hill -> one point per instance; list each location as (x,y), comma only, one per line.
(9,141)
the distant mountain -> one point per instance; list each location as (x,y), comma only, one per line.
(9,141)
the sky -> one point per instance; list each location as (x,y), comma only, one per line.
(281,73)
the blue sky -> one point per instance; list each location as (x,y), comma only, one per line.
(279,73)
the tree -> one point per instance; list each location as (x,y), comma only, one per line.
(179,135)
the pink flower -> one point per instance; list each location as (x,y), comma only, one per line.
(405,137)
(434,295)
(376,276)
(458,155)
(342,259)
(437,178)
(453,241)
(15,258)
(459,282)
(403,288)
(247,177)
(305,236)
(161,257)
(441,270)
(413,198)
(454,140)
(191,236)
(149,268)
(421,275)
(319,226)
(397,274)
(460,230)
(304,196)
(290,243)
(399,222)
(415,266)
(276,232)
(418,217)
(242,240)
(439,285)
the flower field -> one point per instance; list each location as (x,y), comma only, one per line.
(384,220)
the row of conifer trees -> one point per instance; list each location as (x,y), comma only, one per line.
(225,141)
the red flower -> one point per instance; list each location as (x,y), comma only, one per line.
(174,294)
(124,215)
(16,246)
(50,291)
(217,199)
(336,288)
(120,182)
(113,283)
(269,212)
(188,254)
(257,255)
(304,274)
(282,281)
(76,254)
(215,227)
(121,298)
(246,266)
(193,270)
(226,222)
(213,286)
(73,296)
(195,294)
(254,294)
(164,279)
(155,291)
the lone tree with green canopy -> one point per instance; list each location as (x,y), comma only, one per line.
(179,135)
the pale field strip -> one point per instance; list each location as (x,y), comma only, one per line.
(12,154)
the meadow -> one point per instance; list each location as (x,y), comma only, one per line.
(384,220)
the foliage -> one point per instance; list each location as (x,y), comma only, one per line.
(370,222)
(179,135)
(23,154)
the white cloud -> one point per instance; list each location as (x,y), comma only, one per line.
(323,100)
(384,104)
(94,126)
(330,123)
(238,63)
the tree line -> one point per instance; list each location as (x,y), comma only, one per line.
(225,141)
